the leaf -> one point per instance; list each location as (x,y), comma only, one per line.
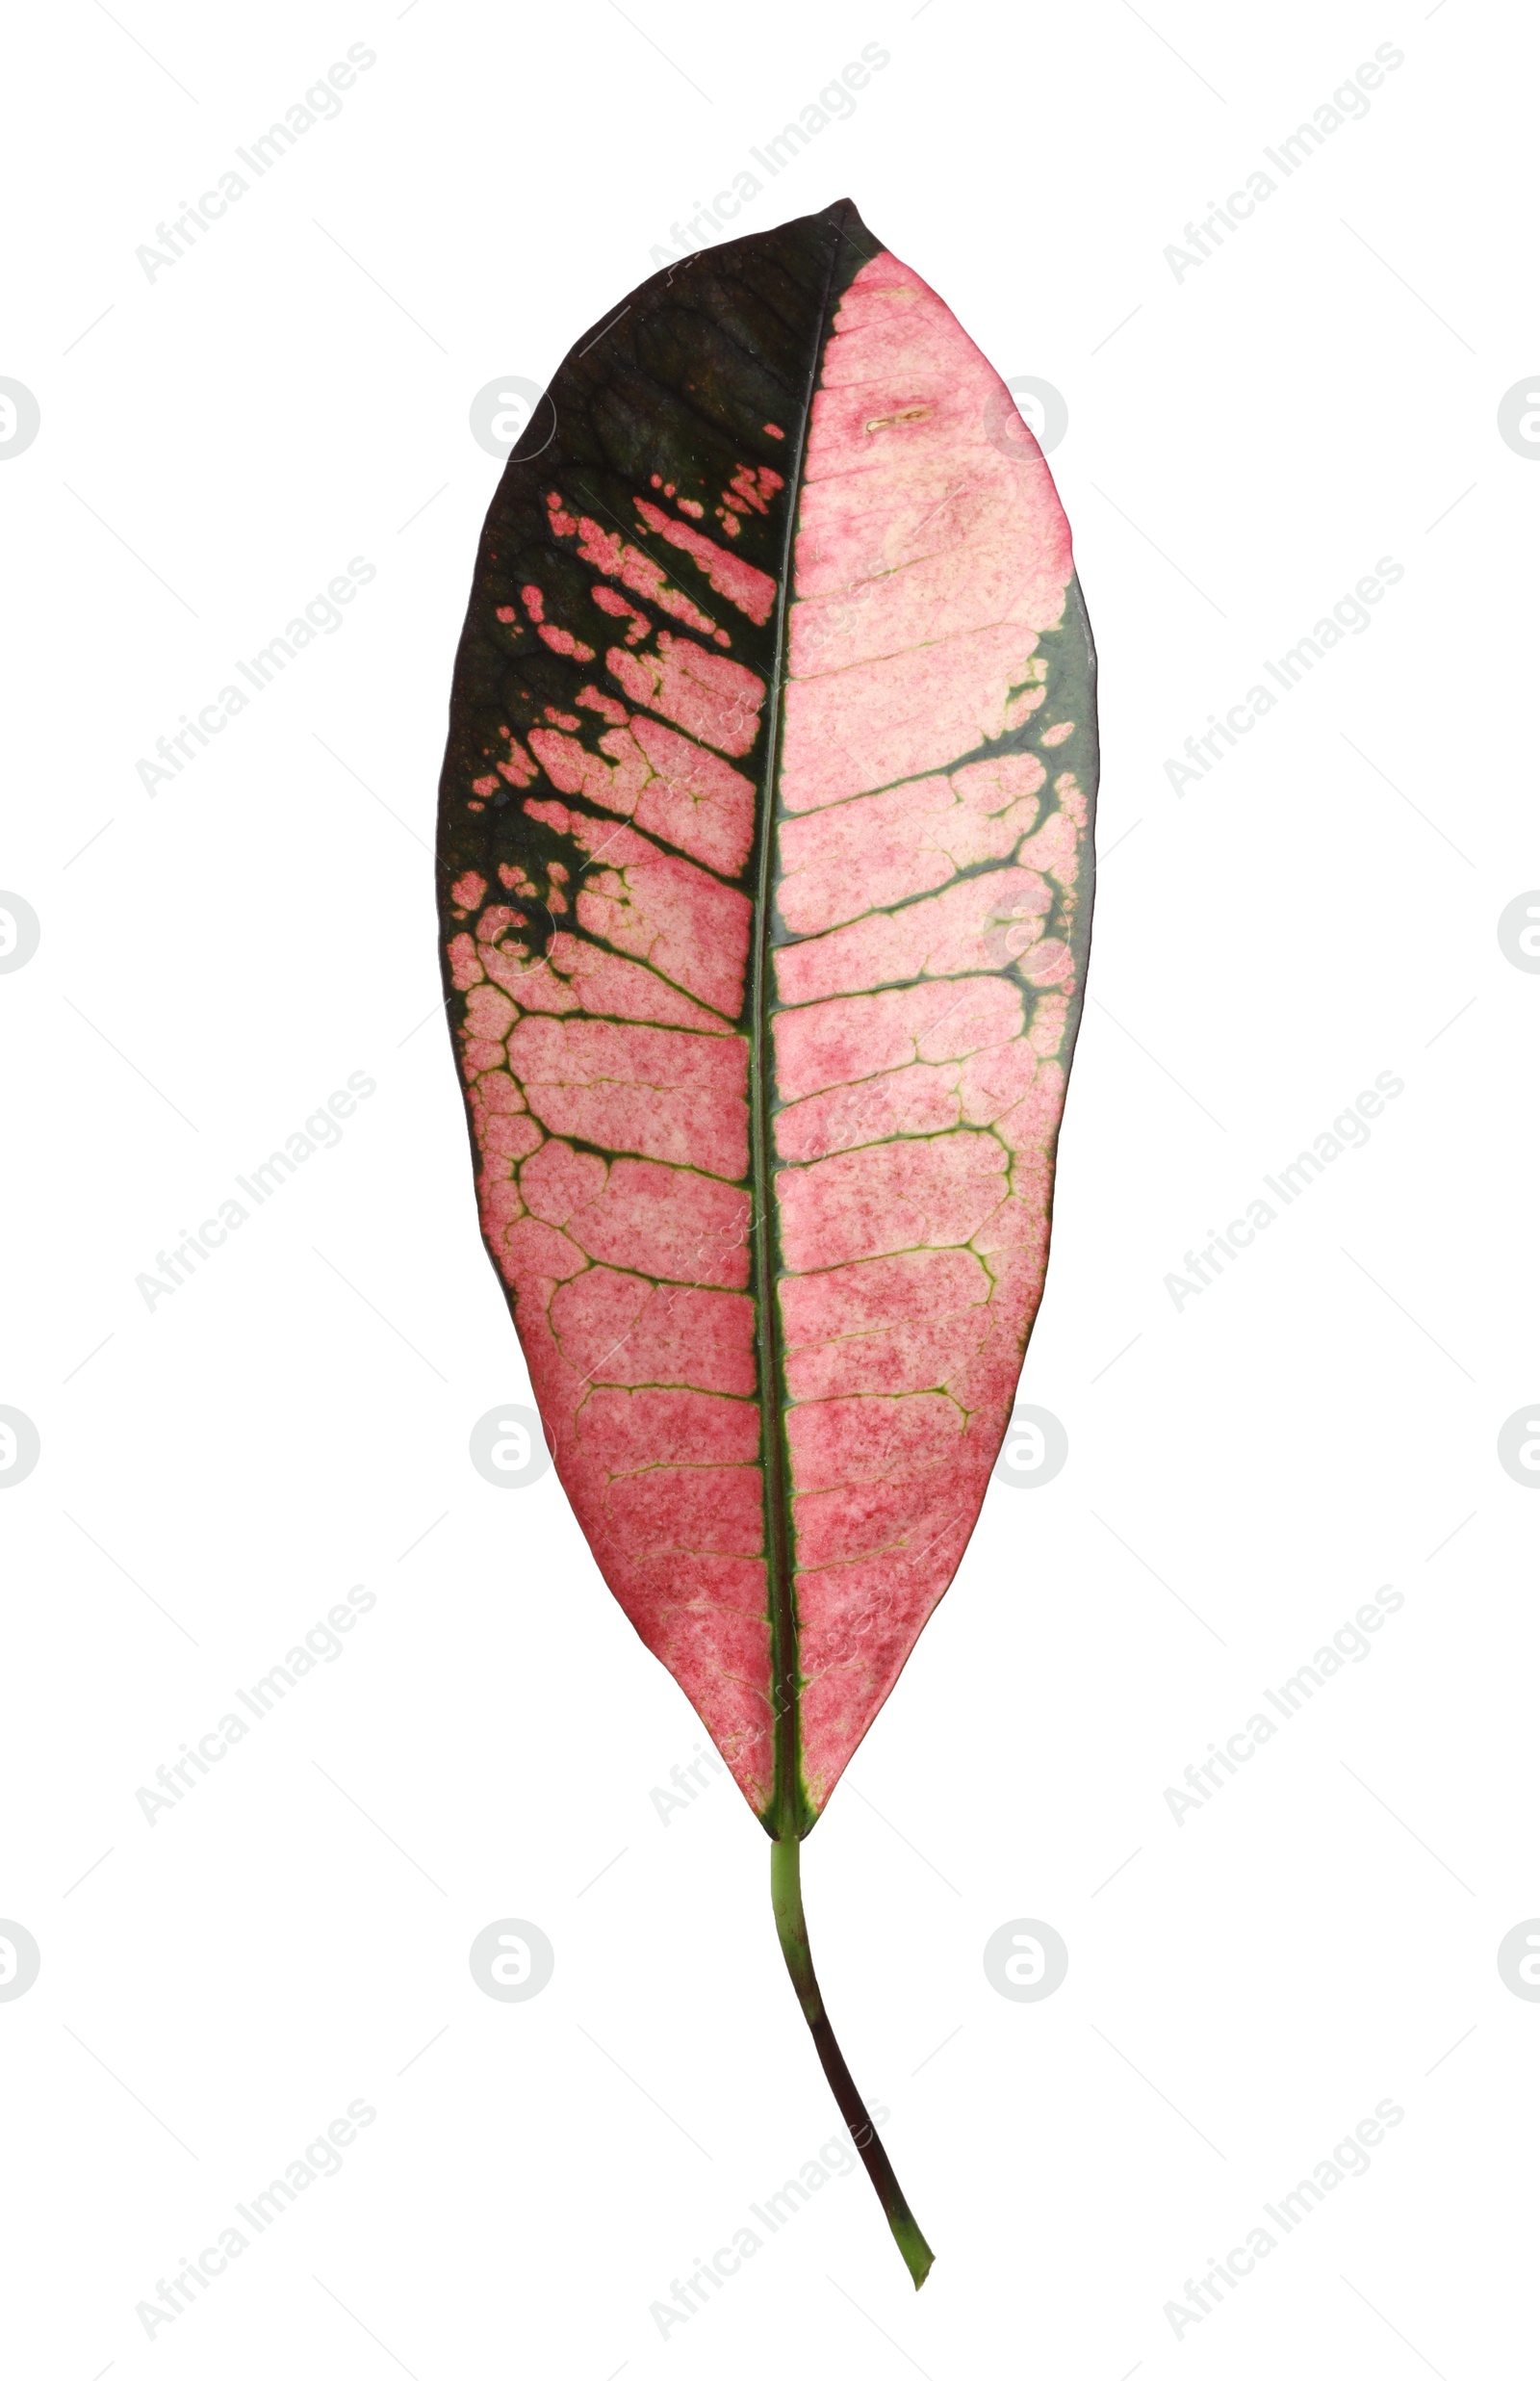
(764,865)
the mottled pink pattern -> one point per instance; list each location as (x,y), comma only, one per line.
(930,550)
(985,921)
(919,997)
(671,786)
(667,1094)
(913,1060)
(714,699)
(660,908)
(630,1271)
(869,853)
(738,581)
(575,976)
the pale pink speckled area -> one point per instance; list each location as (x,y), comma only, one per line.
(919,1110)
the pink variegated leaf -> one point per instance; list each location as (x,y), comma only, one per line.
(764,863)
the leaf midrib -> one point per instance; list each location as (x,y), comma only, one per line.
(790,1813)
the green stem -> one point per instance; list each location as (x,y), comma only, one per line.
(785,1893)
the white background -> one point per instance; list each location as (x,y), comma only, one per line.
(1244,445)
